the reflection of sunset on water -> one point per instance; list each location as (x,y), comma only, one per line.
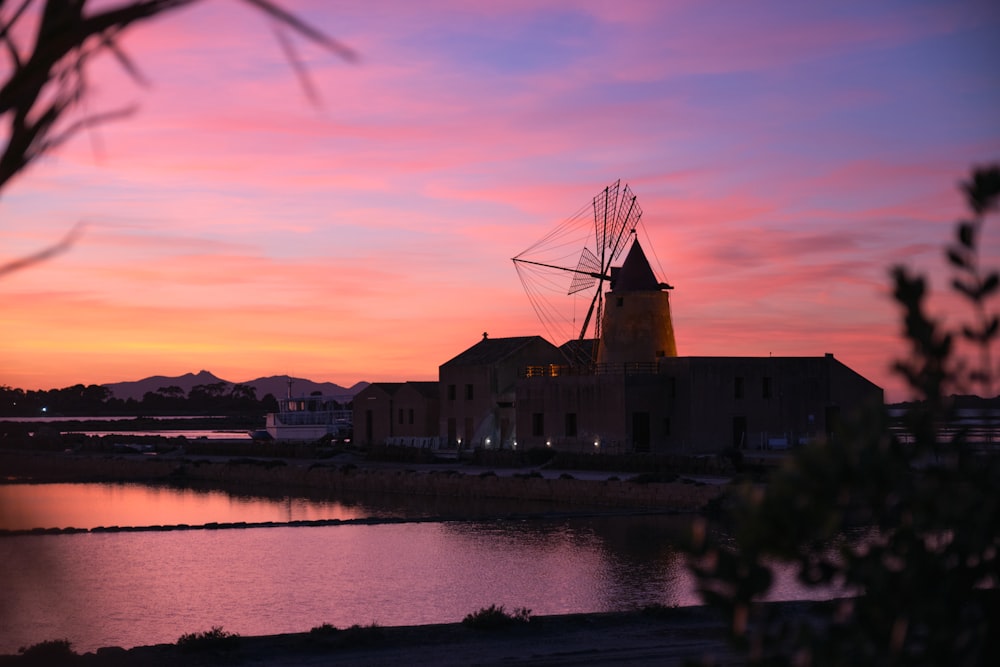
(93,505)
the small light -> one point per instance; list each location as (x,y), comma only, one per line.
(597,443)
(487,443)
(548,443)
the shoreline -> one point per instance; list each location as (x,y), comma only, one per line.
(663,636)
(302,477)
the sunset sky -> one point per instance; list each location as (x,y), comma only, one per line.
(785,154)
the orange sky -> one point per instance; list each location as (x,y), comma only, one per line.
(785,157)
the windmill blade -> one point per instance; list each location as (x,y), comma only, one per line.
(626,218)
(595,303)
(602,228)
(585,268)
(605,208)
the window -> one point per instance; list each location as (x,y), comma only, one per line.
(766,388)
(468,392)
(571,424)
(620,301)
(738,388)
(451,392)
(401,415)
(411,415)
(537,423)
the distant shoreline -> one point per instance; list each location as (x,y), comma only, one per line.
(303,476)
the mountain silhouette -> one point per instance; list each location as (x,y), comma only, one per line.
(276,385)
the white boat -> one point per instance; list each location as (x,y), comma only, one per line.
(309,418)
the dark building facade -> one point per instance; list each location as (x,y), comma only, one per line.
(625,390)
(689,404)
(401,412)
(477,389)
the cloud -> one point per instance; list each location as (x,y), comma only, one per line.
(785,156)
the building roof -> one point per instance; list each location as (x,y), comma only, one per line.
(491,350)
(424,388)
(635,274)
(388,387)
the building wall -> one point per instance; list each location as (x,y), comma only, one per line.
(571,413)
(693,404)
(414,413)
(373,412)
(758,402)
(477,401)
(391,410)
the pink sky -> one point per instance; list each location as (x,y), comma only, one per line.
(785,155)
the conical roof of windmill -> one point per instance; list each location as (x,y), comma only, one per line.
(635,273)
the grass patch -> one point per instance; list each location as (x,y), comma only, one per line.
(215,639)
(362,635)
(495,617)
(325,629)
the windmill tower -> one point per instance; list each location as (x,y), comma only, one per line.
(637,327)
(636,308)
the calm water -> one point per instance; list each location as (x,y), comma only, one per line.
(127,589)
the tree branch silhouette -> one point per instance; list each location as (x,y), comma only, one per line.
(47,81)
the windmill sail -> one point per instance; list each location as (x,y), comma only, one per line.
(584,246)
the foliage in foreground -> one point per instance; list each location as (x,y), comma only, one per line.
(495,617)
(215,639)
(923,570)
(50,652)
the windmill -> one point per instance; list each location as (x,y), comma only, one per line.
(544,267)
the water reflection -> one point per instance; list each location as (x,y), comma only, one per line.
(126,589)
(26,506)
(92,505)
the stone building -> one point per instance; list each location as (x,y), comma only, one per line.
(477,389)
(624,391)
(640,396)
(690,404)
(405,413)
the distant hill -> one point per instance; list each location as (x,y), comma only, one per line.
(276,385)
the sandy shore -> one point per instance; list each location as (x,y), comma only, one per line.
(668,637)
